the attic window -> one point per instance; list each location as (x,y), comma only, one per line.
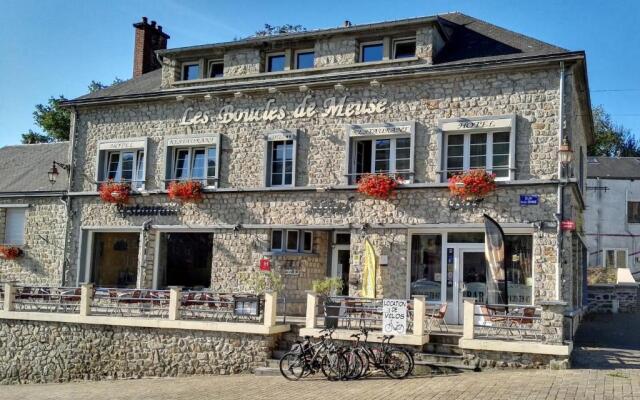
(373,51)
(216,69)
(190,71)
(404,48)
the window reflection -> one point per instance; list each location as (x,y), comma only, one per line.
(426,275)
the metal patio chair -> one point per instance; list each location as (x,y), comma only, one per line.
(437,318)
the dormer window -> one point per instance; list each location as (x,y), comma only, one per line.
(372,51)
(190,71)
(304,59)
(404,48)
(216,69)
(276,62)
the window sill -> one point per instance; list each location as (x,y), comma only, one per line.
(289,253)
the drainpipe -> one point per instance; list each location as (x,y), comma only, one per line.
(66,199)
(626,224)
(560,207)
(599,260)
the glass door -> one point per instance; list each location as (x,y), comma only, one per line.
(340,266)
(473,278)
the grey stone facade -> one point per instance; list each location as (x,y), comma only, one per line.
(602,298)
(45,229)
(45,352)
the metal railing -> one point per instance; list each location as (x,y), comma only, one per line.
(171,305)
(47,299)
(507,322)
(344,312)
(144,303)
(206,305)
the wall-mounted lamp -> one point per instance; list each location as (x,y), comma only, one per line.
(303,88)
(53,172)
(565,152)
(236,229)
(364,228)
(208,96)
(272,90)
(179,97)
(375,83)
(339,87)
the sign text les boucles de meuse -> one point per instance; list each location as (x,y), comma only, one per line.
(308,107)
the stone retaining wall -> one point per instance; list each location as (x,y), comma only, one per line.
(602,297)
(494,359)
(42,352)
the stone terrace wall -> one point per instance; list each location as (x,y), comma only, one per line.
(42,352)
(43,259)
(601,298)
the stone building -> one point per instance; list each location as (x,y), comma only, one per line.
(33,213)
(613,212)
(278,129)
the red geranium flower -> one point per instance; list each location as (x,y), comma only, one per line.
(185,191)
(379,186)
(10,252)
(113,192)
(476,183)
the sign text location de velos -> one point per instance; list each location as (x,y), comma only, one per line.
(394,316)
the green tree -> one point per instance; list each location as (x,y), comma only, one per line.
(54,120)
(32,137)
(270,30)
(611,139)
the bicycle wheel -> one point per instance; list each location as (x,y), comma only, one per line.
(354,364)
(397,363)
(292,366)
(334,366)
(365,363)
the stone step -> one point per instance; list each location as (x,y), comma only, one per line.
(277,354)
(437,358)
(272,363)
(442,348)
(267,371)
(444,338)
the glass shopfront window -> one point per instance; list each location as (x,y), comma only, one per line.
(426,275)
(517,258)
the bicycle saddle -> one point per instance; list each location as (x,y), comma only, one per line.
(356,335)
(388,337)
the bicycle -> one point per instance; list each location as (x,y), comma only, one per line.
(396,363)
(307,358)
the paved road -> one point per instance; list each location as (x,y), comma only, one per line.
(494,385)
(608,341)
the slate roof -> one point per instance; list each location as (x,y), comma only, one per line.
(613,167)
(469,40)
(24,167)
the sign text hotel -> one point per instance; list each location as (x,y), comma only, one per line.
(331,107)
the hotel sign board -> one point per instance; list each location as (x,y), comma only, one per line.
(472,124)
(123,145)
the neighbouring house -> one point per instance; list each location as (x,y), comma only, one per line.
(33,213)
(295,152)
(613,213)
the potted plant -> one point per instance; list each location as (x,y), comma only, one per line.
(113,192)
(11,252)
(325,288)
(186,191)
(379,186)
(472,186)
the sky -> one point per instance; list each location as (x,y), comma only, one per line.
(54,47)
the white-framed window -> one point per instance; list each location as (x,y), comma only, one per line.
(280,158)
(490,151)
(191,70)
(276,62)
(615,258)
(404,48)
(126,166)
(215,68)
(372,51)
(193,158)
(122,161)
(304,59)
(291,241)
(14,225)
(307,242)
(386,148)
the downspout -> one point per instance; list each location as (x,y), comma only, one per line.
(560,207)
(66,199)
(626,225)
(599,259)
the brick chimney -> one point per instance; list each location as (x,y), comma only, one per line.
(149,38)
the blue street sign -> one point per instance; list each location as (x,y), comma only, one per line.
(529,199)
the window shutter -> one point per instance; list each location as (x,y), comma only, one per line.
(14,226)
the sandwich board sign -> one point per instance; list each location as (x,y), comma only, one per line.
(394,316)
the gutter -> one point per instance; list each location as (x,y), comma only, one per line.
(411,72)
(60,193)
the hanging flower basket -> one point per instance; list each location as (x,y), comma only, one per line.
(10,252)
(112,192)
(187,191)
(378,186)
(471,187)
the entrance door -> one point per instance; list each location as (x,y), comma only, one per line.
(340,265)
(473,282)
(469,279)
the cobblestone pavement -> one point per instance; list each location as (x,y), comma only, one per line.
(608,341)
(494,385)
